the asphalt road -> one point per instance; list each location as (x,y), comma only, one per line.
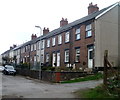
(21,87)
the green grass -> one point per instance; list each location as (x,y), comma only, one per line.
(87,78)
(98,92)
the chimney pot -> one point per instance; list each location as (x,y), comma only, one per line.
(92,8)
(33,36)
(63,22)
(45,30)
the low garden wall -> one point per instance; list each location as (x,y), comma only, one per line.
(51,76)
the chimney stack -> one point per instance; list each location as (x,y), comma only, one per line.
(63,22)
(14,46)
(11,47)
(45,30)
(92,8)
(33,36)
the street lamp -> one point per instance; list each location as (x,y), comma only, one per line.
(40,29)
(40,69)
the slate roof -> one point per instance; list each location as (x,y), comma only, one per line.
(74,23)
(67,27)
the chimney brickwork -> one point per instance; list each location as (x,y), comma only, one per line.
(92,8)
(33,36)
(45,30)
(63,22)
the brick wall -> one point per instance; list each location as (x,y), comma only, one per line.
(82,43)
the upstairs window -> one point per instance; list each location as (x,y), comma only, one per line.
(88,30)
(26,49)
(67,37)
(38,46)
(53,41)
(77,37)
(31,47)
(42,44)
(35,46)
(59,39)
(48,43)
(67,56)
(77,55)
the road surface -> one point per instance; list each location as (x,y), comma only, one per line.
(21,87)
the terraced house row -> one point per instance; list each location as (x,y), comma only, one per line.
(79,44)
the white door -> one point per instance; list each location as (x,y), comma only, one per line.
(90,58)
(58,59)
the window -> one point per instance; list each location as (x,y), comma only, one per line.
(88,30)
(26,48)
(59,39)
(54,60)
(31,47)
(67,36)
(67,56)
(91,54)
(38,46)
(47,57)
(53,41)
(42,58)
(58,59)
(42,44)
(77,55)
(48,43)
(23,49)
(35,46)
(77,37)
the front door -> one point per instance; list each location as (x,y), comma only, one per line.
(90,58)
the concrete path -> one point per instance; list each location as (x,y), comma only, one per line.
(15,87)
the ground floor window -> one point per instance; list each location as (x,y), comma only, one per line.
(54,60)
(47,57)
(77,55)
(66,55)
(58,59)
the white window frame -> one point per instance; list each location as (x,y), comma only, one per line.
(67,55)
(67,37)
(59,39)
(31,47)
(53,41)
(42,44)
(88,30)
(58,59)
(38,46)
(77,33)
(48,43)
(53,59)
(35,46)
(77,54)
(47,57)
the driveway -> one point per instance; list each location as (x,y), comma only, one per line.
(21,87)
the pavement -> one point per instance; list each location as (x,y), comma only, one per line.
(22,87)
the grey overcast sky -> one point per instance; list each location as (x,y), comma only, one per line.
(19,17)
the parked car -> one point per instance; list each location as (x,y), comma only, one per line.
(9,70)
(1,68)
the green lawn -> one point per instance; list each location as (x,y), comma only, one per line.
(87,78)
(98,92)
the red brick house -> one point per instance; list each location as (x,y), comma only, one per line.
(77,44)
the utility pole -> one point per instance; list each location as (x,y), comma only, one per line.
(40,69)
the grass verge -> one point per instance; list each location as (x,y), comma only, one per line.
(86,78)
(98,92)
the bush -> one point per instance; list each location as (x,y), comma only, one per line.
(25,65)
